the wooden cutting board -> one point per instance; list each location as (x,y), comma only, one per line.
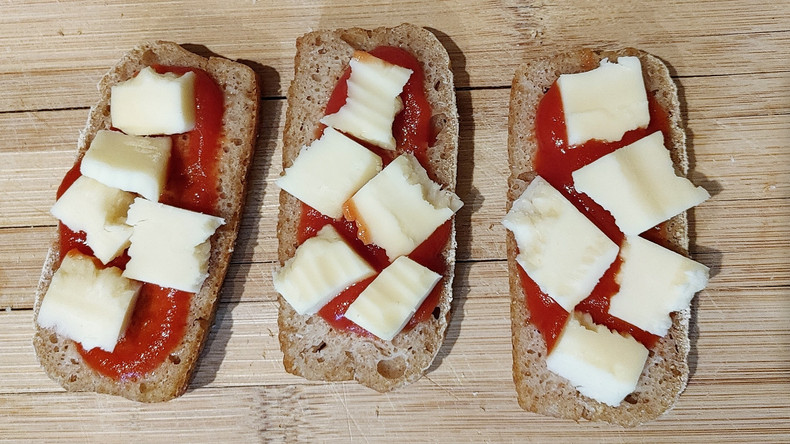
(732,65)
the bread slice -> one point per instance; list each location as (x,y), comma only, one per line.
(666,371)
(311,348)
(57,354)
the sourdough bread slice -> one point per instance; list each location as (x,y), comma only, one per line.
(666,372)
(311,347)
(58,355)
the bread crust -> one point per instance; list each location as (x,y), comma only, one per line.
(59,355)
(311,347)
(666,372)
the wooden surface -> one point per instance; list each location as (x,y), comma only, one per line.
(732,64)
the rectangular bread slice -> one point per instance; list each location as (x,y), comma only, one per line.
(666,371)
(59,355)
(311,348)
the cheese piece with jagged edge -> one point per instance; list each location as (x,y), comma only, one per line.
(170,246)
(600,363)
(132,163)
(654,282)
(329,172)
(373,100)
(559,248)
(386,305)
(88,304)
(400,207)
(638,185)
(604,103)
(100,212)
(151,103)
(322,267)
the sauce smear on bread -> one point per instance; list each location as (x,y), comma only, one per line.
(413,133)
(193,170)
(555,161)
(160,314)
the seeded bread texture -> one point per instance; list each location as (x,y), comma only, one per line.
(58,355)
(666,372)
(311,347)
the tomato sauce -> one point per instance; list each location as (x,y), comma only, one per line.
(192,173)
(155,329)
(160,314)
(413,133)
(555,161)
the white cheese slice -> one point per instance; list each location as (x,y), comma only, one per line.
(152,103)
(386,305)
(401,207)
(86,304)
(322,267)
(638,185)
(605,102)
(373,89)
(559,248)
(654,282)
(170,246)
(600,363)
(100,212)
(132,163)
(328,172)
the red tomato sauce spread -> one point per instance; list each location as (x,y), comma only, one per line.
(555,161)
(160,314)
(413,132)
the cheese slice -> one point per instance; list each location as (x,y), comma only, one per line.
(638,185)
(386,305)
(87,304)
(329,172)
(170,246)
(373,89)
(605,102)
(400,207)
(654,282)
(600,363)
(152,103)
(100,212)
(322,267)
(132,163)
(559,248)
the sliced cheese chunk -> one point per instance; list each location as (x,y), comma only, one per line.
(600,363)
(400,207)
(329,172)
(559,248)
(322,267)
(604,103)
(152,103)
(170,246)
(386,305)
(654,282)
(86,304)
(373,89)
(132,163)
(638,185)
(99,211)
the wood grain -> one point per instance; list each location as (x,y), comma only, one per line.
(732,65)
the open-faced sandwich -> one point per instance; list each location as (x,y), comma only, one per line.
(366,227)
(148,219)
(597,237)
